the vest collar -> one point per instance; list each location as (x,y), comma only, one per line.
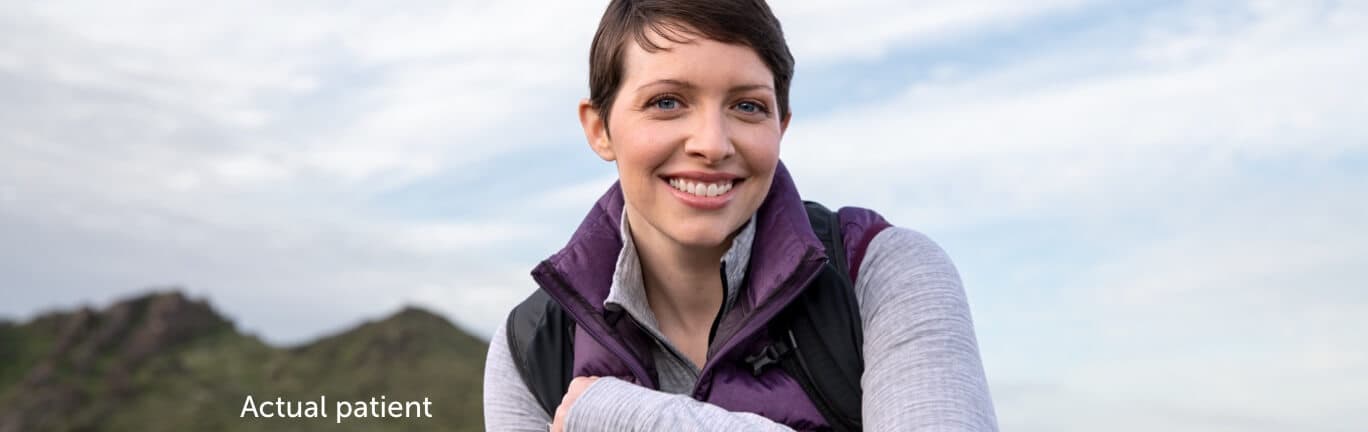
(580,275)
(783,236)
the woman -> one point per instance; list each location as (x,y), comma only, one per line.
(690,100)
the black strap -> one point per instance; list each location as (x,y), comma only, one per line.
(824,327)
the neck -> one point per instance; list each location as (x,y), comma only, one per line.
(683,283)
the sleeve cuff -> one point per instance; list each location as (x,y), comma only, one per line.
(611,404)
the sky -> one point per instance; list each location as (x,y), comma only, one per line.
(1157,207)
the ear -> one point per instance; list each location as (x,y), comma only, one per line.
(595,131)
(783,123)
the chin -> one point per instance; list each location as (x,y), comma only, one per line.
(702,234)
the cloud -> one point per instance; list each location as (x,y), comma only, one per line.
(826,32)
(1255,307)
(576,196)
(243,160)
(1043,406)
(1037,134)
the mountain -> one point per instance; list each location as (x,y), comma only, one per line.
(163,362)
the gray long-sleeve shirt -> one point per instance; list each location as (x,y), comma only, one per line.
(922,366)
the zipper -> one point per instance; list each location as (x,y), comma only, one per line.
(769,310)
(663,342)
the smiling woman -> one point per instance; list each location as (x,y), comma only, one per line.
(701,292)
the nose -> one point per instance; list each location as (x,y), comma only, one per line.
(710,140)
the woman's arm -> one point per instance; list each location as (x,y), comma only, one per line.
(508,405)
(608,404)
(922,366)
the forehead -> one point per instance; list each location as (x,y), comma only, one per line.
(697,60)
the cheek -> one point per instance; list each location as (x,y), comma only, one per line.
(760,148)
(643,147)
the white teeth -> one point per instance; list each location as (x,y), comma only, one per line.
(701,189)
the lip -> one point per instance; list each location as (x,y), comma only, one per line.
(702,176)
(704,203)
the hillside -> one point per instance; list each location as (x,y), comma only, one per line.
(162,362)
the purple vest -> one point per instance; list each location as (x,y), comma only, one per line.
(785,258)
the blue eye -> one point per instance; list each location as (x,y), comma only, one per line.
(666,103)
(749,107)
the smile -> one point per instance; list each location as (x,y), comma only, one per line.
(703,191)
(700,188)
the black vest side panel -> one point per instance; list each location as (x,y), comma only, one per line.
(541,339)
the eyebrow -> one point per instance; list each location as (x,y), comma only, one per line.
(690,86)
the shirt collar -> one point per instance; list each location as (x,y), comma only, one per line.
(628,289)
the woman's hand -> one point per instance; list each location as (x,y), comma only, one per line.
(577,387)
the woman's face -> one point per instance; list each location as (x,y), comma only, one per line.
(695,131)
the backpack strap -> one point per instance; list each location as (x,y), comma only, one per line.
(824,331)
(541,339)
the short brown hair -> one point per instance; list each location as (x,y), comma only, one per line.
(748,22)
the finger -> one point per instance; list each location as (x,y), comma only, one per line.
(559,423)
